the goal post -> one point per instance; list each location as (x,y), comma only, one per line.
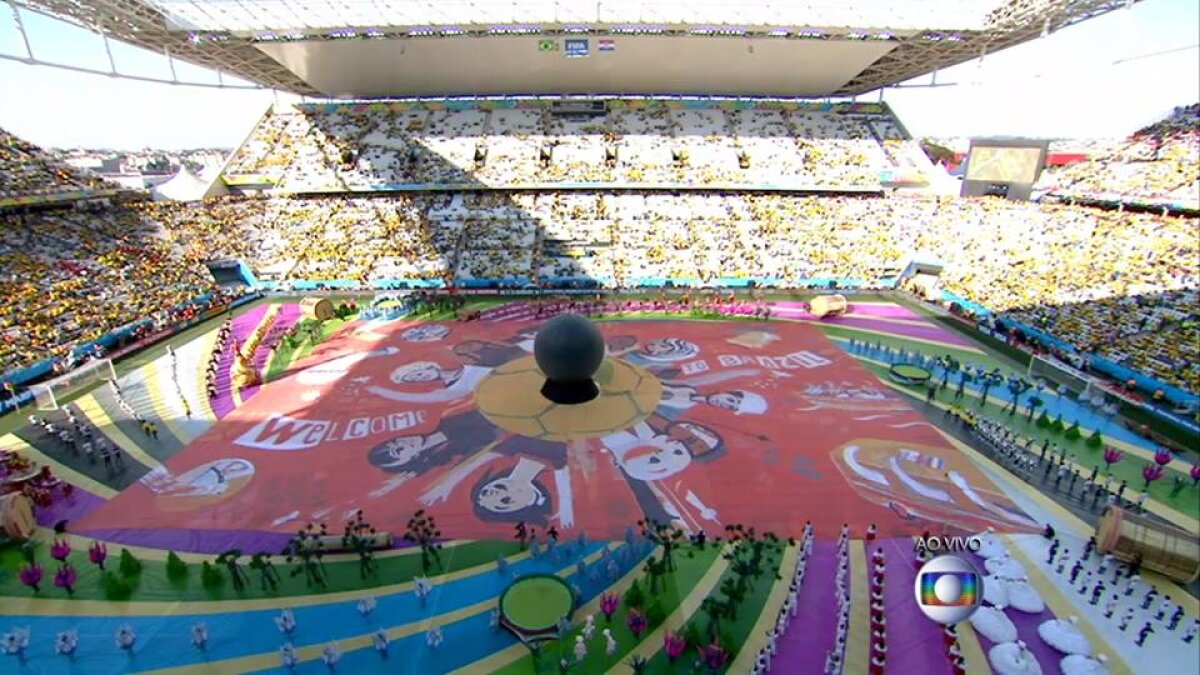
(1056,373)
(51,394)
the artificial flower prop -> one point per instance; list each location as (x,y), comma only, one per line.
(286,621)
(200,636)
(366,605)
(31,576)
(609,602)
(97,553)
(125,638)
(65,577)
(60,549)
(66,642)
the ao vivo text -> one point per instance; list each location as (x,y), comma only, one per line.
(946,544)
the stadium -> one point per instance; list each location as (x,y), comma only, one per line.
(305,413)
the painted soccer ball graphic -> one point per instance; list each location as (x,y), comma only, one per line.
(509,397)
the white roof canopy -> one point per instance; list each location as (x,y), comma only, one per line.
(265,15)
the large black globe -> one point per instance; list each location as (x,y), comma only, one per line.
(568,350)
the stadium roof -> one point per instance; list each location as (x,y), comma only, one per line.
(380,48)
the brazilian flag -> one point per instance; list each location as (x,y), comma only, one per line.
(547,45)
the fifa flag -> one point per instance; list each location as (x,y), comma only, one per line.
(576,47)
(606,45)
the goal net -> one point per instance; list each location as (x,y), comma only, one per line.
(49,395)
(1056,373)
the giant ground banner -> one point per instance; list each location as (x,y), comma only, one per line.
(702,424)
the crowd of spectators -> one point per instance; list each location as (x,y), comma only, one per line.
(1115,282)
(1158,164)
(346,148)
(27,170)
(69,276)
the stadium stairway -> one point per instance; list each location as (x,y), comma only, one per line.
(178,393)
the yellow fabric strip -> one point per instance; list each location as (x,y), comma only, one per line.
(90,408)
(858,638)
(152,371)
(972,650)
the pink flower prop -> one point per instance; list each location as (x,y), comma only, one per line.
(31,576)
(714,656)
(674,645)
(1152,472)
(609,602)
(636,621)
(1195,474)
(1112,456)
(1162,457)
(64,578)
(60,549)
(97,553)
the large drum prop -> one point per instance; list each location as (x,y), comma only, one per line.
(320,309)
(828,305)
(1170,551)
(16,516)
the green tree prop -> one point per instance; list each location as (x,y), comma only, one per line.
(714,608)
(116,586)
(1035,402)
(1095,441)
(236,574)
(423,531)
(1057,425)
(268,577)
(177,569)
(359,537)
(665,536)
(306,549)
(989,380)
(1043,421)
(1072,433)
(750,556)
(655,614)
(129,566)
(694,635)
(210,576)
(655,570)
(634,597)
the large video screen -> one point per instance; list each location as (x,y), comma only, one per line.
(999,164)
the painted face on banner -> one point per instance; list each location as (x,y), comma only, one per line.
(669,350)
(430,332)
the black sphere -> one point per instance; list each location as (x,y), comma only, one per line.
(569,348)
